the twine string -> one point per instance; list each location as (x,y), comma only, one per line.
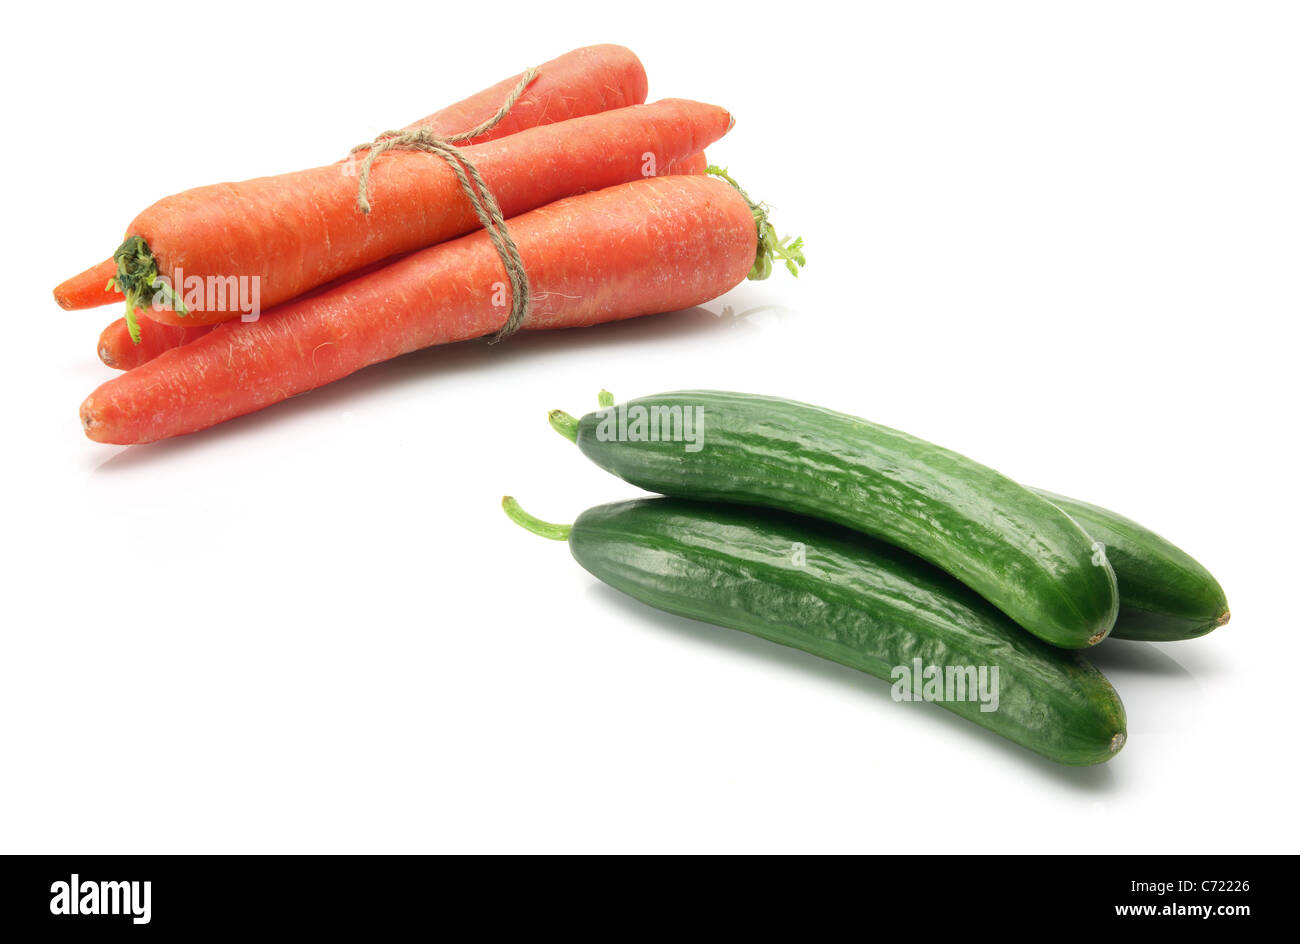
(471,182)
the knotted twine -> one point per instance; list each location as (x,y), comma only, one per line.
(484,203)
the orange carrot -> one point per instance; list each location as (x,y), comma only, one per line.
(585,81)
(695,164)
(633,249)
(89,289)
(281,236)
(116,349)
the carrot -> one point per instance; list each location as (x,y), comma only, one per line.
(89,289)
(647,246)
(281,236)
(117,349)
(695,164)
(585,81)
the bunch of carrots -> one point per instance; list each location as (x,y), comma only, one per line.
(610,202)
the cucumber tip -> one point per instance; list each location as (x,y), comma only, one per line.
(1117,742)
(1223,620)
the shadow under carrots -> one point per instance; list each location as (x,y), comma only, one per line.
(443,360)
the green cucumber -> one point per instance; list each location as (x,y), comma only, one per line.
(1164,594)
(1015,548)
(859,602)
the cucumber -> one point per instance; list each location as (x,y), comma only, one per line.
(829,591)
(1015,548)
(1164,594)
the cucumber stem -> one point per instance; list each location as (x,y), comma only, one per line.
(770,246)
(564,424)
(605,399)
(556,532)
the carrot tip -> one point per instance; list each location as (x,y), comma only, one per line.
(89,422)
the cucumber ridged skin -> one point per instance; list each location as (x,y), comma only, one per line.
(1013,547)
(854,601)
(1164,594)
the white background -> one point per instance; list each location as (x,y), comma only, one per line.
(1060,238)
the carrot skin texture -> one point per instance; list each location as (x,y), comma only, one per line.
(695,164)
(117,350)
(649,246)
(296,231)
(585,81)
(89,289)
